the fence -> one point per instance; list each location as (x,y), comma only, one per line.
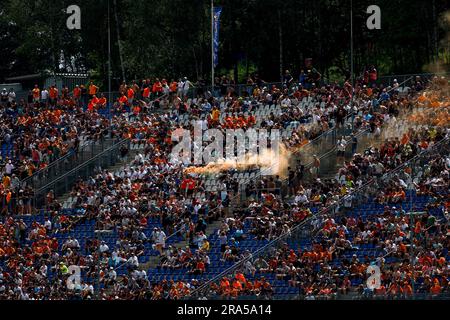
(308,227)
(325,142)
(324,148)
(63,183)
(69,161)
(353,297)
(408,79)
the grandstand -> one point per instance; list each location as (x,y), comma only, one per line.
(93,187)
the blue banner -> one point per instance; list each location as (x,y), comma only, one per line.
(216,23)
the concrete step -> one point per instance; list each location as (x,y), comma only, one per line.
(154,260)
(119,165)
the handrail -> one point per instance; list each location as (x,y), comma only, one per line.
(335,147)
(324,134)
(323,211)
(85,145)
(311,142)
(83,164)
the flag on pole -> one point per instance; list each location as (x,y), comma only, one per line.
(216,23)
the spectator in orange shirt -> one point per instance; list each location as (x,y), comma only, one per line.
(102,101)
(157,88)
(146,94)
(130,96)
(53,94)
(36,93)
(123,100)
(93,103)
(436,288)
(77,92)
(173,87)
(92,89)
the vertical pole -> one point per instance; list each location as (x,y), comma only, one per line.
(109,72)
(280,35)
(97,278)
(118,41)
(435,38)
(109,55)
(351,60)
(212,47)
(411,249)
(351,41)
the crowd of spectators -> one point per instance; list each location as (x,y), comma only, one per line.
(410,251)
(150,186)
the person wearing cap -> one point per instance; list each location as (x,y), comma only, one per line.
(76,93)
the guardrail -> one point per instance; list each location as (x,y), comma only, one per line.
(321,142)
(359,195)
(63,184)
(67,162)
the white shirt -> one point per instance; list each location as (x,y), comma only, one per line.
(48,225)
(112,274)
(9,168)
(286,102)
(133,261)
(44,94)
(104,247)
(161,238)
(186,85)
(11,96)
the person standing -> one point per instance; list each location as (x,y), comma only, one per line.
(93,89)
(4,96)
(354,143)
(11,95)
(186,86)
(53,93)
(36,94)
(44,96)
(315,166)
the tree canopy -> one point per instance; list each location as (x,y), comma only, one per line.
(162,38)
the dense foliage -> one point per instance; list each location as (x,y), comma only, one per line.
(172,38)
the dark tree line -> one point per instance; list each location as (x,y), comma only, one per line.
(163,38)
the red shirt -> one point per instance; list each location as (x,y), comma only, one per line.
(146,92)
(157,87)
(130,93)
(77,92)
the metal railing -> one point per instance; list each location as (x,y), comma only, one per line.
(326,141)
(408,79)
(64,183)
(359,196)
(67,162)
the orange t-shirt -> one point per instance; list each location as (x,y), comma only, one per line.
(77,92)
(102,101)
(93,89)
(130,93)
(36,92)
(123,99)
(146,92)
(435,289)
(53,93)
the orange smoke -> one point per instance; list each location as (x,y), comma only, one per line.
(268,161)
(433,105)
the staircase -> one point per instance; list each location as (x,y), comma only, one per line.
(114,168)
(210,230)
